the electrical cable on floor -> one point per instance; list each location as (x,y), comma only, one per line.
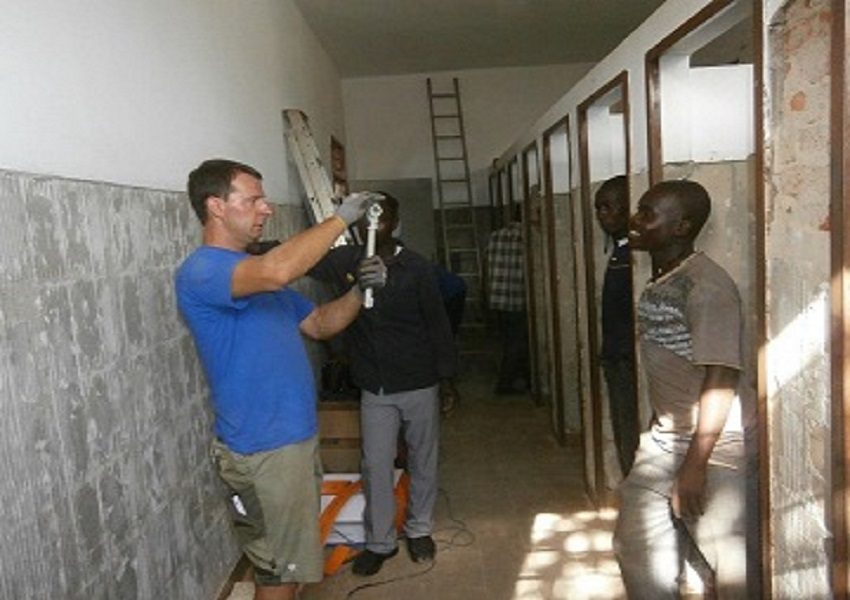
(461,537)
(367,586)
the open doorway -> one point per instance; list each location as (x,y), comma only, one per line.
(604,152)
(515,190)
(562,238)
(505,196)
(703,115)
(495,197)
(535,275)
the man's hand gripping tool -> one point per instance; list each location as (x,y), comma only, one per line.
(373,215)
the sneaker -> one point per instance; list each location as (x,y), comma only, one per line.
(421,548)
(368,563)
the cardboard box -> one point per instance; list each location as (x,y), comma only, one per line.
(339,436)
(340,455)
(339,420)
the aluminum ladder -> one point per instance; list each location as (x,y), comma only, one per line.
(457,222)
(315,178)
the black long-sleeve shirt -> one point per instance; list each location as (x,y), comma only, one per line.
(618,338)
(404,342)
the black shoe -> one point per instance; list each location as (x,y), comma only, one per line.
(368,562)
(421,548)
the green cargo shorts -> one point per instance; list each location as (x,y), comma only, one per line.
(274,501)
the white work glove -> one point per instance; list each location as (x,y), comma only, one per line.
(371,273)
(354,206)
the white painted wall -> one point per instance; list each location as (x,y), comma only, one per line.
(388,125)
(700,106)
(517,190)
(138,93)
(559,155)
(606,143)
(629,56)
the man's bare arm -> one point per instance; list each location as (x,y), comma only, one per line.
(329,319)
(715,401)
(293,258)
(287,262)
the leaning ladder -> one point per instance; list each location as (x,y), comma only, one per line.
(316,182)
(454,190)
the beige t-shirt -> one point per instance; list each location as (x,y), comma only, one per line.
(689,319)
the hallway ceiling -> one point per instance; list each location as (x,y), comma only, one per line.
(391,37)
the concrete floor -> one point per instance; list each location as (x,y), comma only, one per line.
(512,520)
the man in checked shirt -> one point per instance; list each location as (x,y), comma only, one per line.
(506,277)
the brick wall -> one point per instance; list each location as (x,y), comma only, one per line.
(798,255)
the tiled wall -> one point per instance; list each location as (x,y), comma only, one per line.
(108,491)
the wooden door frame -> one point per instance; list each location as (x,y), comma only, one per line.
(530,293)
(656,169)
(652,75)
(493,194)
(501,175)
(510,181)
(762,416)
(548,188)
(339,167)
(620,81)
(840,293)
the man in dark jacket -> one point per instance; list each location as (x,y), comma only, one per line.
(618,340)
(401,352)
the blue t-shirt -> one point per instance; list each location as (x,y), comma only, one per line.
(261,381)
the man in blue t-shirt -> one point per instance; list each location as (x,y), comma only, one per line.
(247,325)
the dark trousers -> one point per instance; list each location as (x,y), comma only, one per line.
(622,398)
(455,307)
(514,369)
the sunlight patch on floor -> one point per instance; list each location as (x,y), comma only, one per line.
(571,558)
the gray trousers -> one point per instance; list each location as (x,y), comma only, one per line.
(649,548)
(381,417)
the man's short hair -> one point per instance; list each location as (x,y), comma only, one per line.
(389,202)
(213,178)
(693,198)
(617,187)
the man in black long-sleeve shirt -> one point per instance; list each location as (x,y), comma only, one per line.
(618,345)
(401,352)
